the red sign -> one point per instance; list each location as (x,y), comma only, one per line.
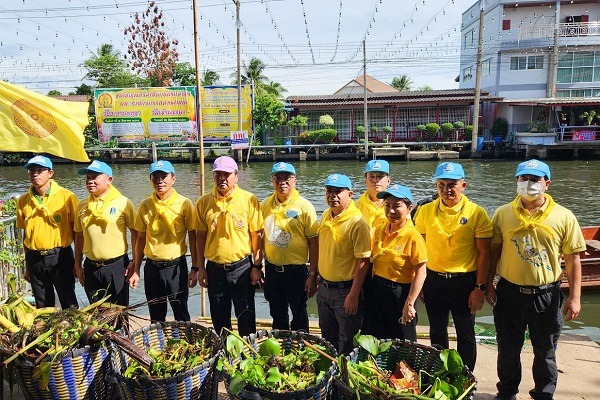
(584,135)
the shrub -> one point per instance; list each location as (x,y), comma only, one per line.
(421,128)
(447,129)
(432,129)
(326,120)
(469,131)
(387,129)
(298,120)
(374,129)
(500,127)
(459,125)
(278,141)
(317,136)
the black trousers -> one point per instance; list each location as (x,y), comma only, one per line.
(231,286)
(167,281)
(106,280)
(541,313)
(49,272)
(337,327)
(283,289)
(366,328)
(451,295)
(384,308)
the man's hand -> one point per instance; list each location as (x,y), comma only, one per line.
(571,309)
(192,278)
(490,295)
(351,304)
(256,275)
(476,300)
(202,277)
(310,287)
(133,277)
(79,274)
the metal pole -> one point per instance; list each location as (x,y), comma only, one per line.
(200,130)
(238,24)
(365,100)
(477,81)
(553,64)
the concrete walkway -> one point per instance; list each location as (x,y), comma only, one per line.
(578,363)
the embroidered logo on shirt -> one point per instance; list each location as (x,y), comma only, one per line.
(57,218)
(113,211)
(463,221)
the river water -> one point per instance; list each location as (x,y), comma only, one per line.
(490,184)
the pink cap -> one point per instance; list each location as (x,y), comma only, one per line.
(226,164)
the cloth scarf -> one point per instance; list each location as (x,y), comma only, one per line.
(279,210)
(42,208)
(380,249)
(333,224)
(365,202)
(164,212)
(95,212)
(452,215)
(531,222)
(223,204)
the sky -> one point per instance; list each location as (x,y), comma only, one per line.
(308,46)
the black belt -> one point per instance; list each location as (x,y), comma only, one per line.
(233,265)
(164,264)
(336,285)
(283,268)
(387,282)
(99,264)
(42,253)
(532,289)
(449,275)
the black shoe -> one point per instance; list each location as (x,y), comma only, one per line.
(511,397)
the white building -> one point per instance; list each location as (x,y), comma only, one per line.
(518,42)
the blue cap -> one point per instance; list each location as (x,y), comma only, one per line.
(533,167)
(399,191)
(378,166)
(96,166)
(163,166)
(283,167)
(449,170)
(338,180)
(39,160)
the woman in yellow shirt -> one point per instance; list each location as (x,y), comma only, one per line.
(398,258)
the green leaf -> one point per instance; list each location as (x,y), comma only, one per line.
(234,346)
(270,347)
(453,363)
(371,344)
(237,384)
(274,377)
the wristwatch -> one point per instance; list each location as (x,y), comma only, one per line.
(481,286)
(257,266)
(195,269)
(313,273)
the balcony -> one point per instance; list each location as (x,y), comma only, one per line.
(570,30)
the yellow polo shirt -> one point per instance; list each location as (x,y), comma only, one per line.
(371,212)
(289,245)
(105,237)
(395,255)
(47,225)
(166,236)
(228,223)
(450,234)
(338,252)
(531,256)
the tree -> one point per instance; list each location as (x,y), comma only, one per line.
(85,90)
(210,77)
(54,93)
(151,53)
(184,74)
(252,73)
(403,83)
(425,88)
(268,112)
(109,69)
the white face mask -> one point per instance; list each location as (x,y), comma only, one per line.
(530,190)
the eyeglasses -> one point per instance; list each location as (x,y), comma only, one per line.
(36,170)
(282,179)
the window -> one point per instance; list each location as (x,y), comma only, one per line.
(467,74)
(583,66)
(486,67)
(506,24)
(535,62)
(469,39)
(578,93)
(517,63)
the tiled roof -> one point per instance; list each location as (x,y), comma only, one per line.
(373,85)
(558,101)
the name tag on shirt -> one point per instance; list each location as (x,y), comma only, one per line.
(291,214)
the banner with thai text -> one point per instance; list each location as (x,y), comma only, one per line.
(220,112)
(165,114)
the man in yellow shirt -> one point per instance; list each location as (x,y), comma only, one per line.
(290,240)
(101,234)
(162,222)
(531,234)
(457,235)
(344,250)
(46,214)
(230,240)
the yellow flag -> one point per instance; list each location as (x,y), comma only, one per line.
(33,122)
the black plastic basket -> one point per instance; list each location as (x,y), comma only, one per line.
(288,340)
(419,357)
(75,374)
(197,383)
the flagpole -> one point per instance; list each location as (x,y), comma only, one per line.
(199,120)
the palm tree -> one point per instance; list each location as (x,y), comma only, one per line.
(210,77)
(402,83)
(252,73)
(274,89)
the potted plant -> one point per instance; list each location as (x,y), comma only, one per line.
(432,130)
(360,132)
(588,116)
(421,129)
(387,130)
(447,130)
(499,129)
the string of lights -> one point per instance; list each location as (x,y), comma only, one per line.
(307,33)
